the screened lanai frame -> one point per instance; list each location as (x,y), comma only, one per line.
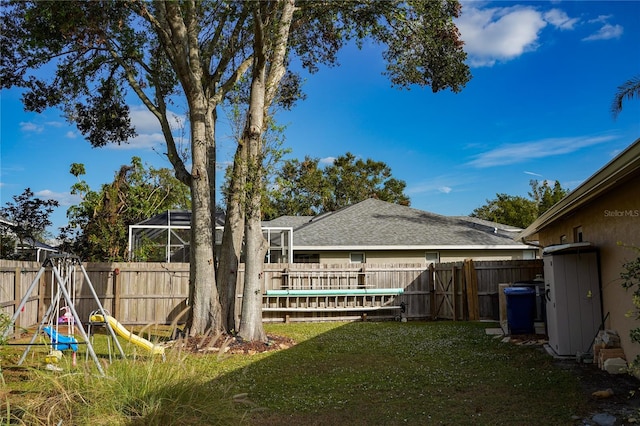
(166,238)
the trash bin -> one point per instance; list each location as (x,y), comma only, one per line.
(541,302)
(521,309)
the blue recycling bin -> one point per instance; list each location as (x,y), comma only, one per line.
(521,309)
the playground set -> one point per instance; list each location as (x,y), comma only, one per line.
(61,323)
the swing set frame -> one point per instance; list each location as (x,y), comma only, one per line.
(61,266)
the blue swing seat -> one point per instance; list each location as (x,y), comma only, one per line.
(61,342)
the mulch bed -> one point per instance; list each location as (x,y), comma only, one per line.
(225,343)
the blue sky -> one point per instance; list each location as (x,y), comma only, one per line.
(538,107)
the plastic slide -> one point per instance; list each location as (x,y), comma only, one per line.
(122,331)
(61,342)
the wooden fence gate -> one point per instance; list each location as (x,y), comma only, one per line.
(445,295)
(470,290)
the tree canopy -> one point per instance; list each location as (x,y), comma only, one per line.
(305,188)
(29,217)
(520,211)
(98,225)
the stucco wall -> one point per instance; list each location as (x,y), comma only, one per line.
(613,218)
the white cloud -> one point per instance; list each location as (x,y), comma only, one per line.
(57,124)
(142,141)
(615,152)
(559,19)
(145,122)
(522,152)
(499,34)
(71,134)
(606,32)
(64,198)
(149,132)
(532,173)
(30,127)
(600,19)
(442,184)
(328,160)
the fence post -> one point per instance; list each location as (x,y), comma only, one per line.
(502,303)
(471,278)
(454,294)
(17,290)
(116,293)
(432,292)
(42,294)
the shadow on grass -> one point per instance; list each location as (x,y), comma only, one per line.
(372,373)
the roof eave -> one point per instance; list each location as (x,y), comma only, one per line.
(418,247)
(627,162)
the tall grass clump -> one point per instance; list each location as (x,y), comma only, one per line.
(5,322)
(144,391)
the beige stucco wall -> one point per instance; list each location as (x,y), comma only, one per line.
(613,218)
(418,256)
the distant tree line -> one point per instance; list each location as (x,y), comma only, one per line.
(518,211)
(306,188)
(98,225)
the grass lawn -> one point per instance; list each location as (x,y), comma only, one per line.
(360,373)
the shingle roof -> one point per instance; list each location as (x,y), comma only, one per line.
(375,223)
(288,221)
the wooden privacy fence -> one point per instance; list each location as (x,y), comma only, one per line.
(470,290)
(15,279)
(145,293)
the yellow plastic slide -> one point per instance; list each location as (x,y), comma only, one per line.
(122,331)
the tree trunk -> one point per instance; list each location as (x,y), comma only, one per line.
(177,27)
(205,313)
(255,246)
(232,239)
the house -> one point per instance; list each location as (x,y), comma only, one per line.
(371,231)
(30,249)
(35,250)
(374,231)
(605,212)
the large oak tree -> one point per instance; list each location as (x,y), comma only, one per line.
(95,53)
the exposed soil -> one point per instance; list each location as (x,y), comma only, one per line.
(616,395)
(623,401)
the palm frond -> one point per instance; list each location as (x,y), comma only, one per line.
(628,90)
